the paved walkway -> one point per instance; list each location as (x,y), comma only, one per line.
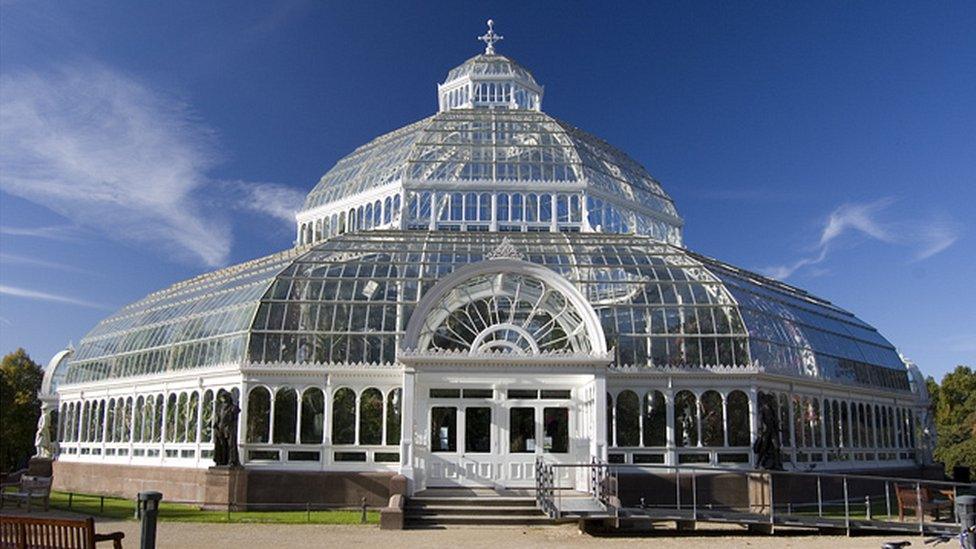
(254,536)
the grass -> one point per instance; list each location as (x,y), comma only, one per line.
(124,509)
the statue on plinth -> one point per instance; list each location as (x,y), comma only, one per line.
(225,431)
(42,440)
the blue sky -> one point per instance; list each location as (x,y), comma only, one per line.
(830,144)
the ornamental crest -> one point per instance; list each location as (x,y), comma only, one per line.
(505,250)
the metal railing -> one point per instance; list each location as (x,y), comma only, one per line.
(834,501)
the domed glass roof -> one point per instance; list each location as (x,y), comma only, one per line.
(659,306)
(497,149)
(491,65)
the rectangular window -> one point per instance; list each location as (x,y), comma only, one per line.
(445,393)
(443,429)
(523,393)
(556,394)
(477,430)
(521,430)
(556,438)
(478,393)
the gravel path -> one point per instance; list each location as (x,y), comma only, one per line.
(254,536)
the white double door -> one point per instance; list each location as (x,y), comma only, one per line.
(494,442)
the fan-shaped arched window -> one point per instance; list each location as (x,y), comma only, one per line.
(171,418)
(285,415)
(313,416)
(628,419)
(371,417)
(110,420)
(258,414)
(182,414)
(157,431)
(344,416)
(192,416)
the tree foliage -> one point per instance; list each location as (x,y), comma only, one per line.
(20,380)
(954,408)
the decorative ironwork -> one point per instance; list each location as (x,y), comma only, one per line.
(490,37)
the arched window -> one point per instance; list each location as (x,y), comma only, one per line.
(396,202)
(206,417)
(470,207)
(610,439)
(816,420)
(545,207)
(502,207)
(157,432)
(258,414)
(655,419)
(285,415)
(377,213)
(83,427)
(531,207)
(110,421)
(394,400)
(181,416)
(171,417)
(869,421)
(737,404)
(628,419)
(686,419)
(344,416)
(387,209)
(784,421)
(368,217)
(100,424)
(192,415)
(516,207)
(371,417)
(313,416)
(828,422)
(138,419)
(484,207)
(126,432)
(713,419)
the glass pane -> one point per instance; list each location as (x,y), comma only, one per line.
(206,425)
(443,429)
(344,417)
(521,430)
(371,417)
(556,422)
(313,416)
(477,430)
(285,416)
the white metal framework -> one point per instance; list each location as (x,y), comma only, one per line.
(473,290)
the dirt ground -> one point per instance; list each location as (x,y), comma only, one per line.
(254,536)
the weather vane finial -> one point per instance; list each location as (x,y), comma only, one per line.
(489,38)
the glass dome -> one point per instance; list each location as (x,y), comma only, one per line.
(348,300)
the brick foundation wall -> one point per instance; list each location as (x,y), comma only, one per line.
(242,487)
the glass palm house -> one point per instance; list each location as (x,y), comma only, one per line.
(481,287)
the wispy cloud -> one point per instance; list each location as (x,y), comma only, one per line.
(278,201)
(35,295)
(42,263)
(110,153)
(54,232)
(925,237)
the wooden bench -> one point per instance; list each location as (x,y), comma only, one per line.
(908,499)
(28,489)
(22,532)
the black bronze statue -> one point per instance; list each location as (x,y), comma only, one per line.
(766,446)
(225,431)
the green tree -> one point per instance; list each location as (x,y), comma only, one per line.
(954,405)
(20,380)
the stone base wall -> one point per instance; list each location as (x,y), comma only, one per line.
(221,486)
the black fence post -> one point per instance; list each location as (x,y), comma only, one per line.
(149,512)
(362,519)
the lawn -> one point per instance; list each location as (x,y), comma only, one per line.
(124,509)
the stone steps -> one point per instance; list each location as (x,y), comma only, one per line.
(448,508)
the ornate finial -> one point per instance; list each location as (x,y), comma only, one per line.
(505,250)
(489,38)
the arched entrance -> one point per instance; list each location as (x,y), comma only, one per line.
(504,352)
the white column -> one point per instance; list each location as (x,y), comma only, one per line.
(407,429)
(600,442)
(753,420)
